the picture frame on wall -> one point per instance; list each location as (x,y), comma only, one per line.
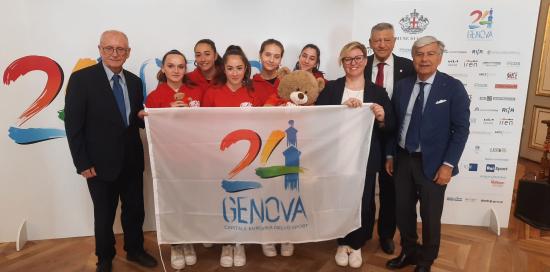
(543,83)
(538,129)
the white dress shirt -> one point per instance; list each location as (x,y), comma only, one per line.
(388,73)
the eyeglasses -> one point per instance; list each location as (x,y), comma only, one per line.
(109,50)
(357,59)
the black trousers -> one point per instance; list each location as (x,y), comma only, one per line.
(357,238)
(412,185)
(386,213)
(105,195)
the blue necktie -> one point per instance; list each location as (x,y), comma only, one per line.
(119,96)
(413,132)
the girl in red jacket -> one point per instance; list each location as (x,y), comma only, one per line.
(176,90)
(208,62)
(266,82)
(233,88)
(309,60)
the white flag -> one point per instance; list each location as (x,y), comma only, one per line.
(258,175)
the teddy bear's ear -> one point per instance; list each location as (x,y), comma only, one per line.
(320,83)
(283,71)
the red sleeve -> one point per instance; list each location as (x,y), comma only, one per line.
(320,75)
(208,98)
(152,100)
(274,100)
(198,93)
(258,101)
(263,89)
(193,76)
(194,93)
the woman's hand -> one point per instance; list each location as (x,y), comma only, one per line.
(353,103)
(178,103)
(378,112)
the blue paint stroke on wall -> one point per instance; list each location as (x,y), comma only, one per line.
(34,135)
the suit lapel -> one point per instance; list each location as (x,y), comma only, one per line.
(102,78)
(340,86)
(131,95)
(400,71)
(130,85)
(368,69)
(437,86)
(106,91)
(397,69)
(406,96)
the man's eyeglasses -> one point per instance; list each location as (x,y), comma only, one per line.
(350,60)
(109,50)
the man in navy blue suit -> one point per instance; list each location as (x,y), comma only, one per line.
(432,111)
(385,69)
(103,115)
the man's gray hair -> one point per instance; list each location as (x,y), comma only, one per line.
(110,32)
(423,41)
(381,27)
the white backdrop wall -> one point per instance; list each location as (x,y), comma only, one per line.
(38,181)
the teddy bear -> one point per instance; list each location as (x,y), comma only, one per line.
(297,88)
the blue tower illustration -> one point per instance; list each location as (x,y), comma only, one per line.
(490,23)
(292,157)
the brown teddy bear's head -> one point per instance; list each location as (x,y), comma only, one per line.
(300,87)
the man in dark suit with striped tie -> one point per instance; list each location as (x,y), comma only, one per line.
(102,105)
(433,120)
(385,69)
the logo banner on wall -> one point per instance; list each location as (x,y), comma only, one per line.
(258,175)
(491,55)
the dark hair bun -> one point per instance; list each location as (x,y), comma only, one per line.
(234,48)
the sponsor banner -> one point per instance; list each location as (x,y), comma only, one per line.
(506,86)
(486,54)
(258,175)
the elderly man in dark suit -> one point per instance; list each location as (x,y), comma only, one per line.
(102,105)
(385,69)
(433,120)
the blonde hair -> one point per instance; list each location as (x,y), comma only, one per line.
(350,46)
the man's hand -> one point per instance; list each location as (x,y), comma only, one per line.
(89,173)
(142,114)
(389,166)
(443,175)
